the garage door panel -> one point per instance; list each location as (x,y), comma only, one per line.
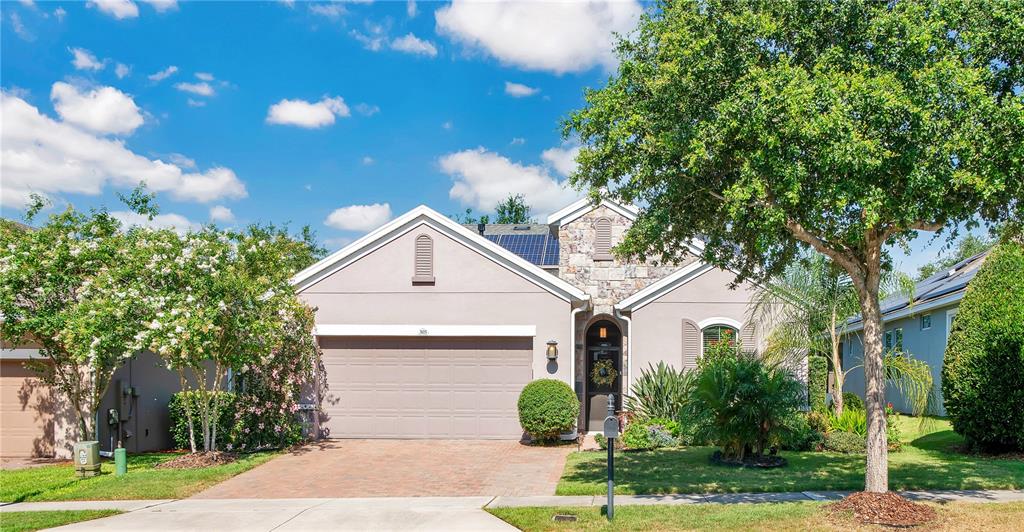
(425,387)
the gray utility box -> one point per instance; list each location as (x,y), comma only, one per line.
(87,458)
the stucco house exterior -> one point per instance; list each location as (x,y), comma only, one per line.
(921,329)
(430,329)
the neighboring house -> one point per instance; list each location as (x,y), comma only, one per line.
(920,330)
(430,329)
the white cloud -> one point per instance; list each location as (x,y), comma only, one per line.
(414,45)
(47,156)
(161,221)
(19,28)
(557,37)
(481,179)
(196,103)
(366,109)
(59,13)
(367,160)
(410,8)
(447,125)
(204,76)
(518,90)
(331,10)
(562,159)
(518,141)
(202,88)
(103,110)
(163,74)
(119,9)
(220,213)
(163,5)
(359,217)
(375,38)
(84,60)
(305,114)
(122,70)
(182,160)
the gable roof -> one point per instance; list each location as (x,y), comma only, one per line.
(584,205)
(665,285)
(942,289)
(424,215)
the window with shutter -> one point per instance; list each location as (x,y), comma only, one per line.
(749,338)
(716,334)
(423,268)
(691,344)
(603,239)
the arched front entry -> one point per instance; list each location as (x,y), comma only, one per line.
(604,370)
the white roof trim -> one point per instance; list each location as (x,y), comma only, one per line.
(424,215)
(583,206)
(917,310)
(335,329)
(656,290)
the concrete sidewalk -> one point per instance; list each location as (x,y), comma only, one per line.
(406,513)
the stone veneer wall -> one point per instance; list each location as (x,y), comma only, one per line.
(607,282)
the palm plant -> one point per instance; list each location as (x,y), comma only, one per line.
(808,309)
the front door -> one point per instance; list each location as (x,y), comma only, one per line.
(604,370)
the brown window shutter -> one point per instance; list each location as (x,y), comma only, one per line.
(423,268)
(691,344)
(603,239)
(748,337)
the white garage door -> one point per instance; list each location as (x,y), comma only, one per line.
(401,387)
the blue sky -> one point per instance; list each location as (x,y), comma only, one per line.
(336,115)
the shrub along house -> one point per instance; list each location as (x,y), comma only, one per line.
(920,330)
(430,329)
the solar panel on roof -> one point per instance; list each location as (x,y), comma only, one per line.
(541,250)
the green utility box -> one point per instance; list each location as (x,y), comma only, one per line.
(87,458)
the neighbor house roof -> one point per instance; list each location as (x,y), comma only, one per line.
(942,289)
(424,215)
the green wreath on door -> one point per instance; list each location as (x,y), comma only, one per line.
(604,373)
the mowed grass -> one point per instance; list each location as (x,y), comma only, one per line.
(59,482)
(927,461)
(782,517)
(27,521)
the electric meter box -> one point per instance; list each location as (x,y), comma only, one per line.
(87,458)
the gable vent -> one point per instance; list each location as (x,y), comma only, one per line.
(423,269)
(603,239)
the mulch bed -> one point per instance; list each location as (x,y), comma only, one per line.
(761,462)
(198,460)
(888,509)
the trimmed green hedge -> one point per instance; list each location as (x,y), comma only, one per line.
(817,383)
(983,368)
(179,421)
(547,408)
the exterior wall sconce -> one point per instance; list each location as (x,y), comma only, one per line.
(552,350)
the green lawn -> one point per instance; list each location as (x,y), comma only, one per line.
(775,517)
(926,462)
(59,483)
(27,521)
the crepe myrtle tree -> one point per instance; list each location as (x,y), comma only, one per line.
(60,290)
(764,128)
(215,300)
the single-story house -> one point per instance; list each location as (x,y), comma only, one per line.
(430,328)
(920,330)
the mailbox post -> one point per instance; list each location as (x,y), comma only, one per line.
(611,432)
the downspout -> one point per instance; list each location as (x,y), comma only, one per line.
(629,349)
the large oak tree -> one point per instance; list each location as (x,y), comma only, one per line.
(766,127)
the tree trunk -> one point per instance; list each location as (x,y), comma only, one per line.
(876,478)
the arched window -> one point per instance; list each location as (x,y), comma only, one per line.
(423,268)
(717,334)
(603,239)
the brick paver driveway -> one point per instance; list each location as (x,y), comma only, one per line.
(401,468)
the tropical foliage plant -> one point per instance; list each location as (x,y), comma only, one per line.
(767,128)
(660,392)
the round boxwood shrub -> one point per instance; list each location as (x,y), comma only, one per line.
(852,401)
(547,408)
(845,442)
(983,368)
